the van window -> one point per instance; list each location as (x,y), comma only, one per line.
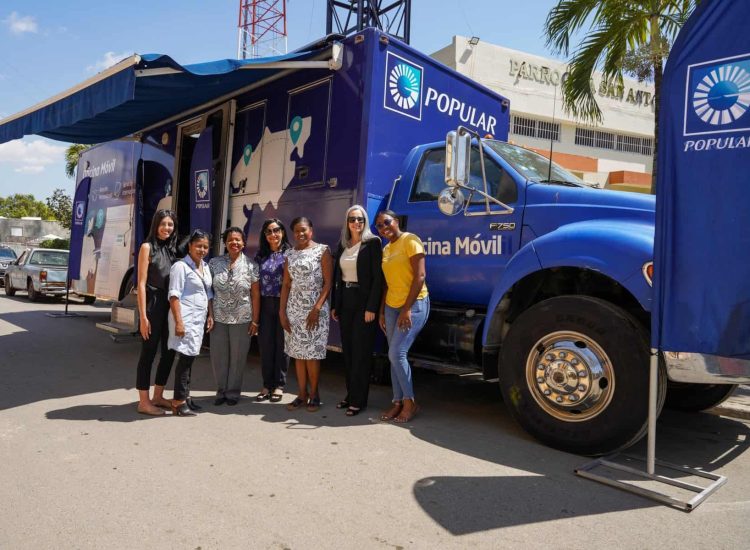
(431,179)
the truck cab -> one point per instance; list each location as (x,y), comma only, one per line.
(546,287)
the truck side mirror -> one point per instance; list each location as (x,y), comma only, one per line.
(457,158)
(451,201)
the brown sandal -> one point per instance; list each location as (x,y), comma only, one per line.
(393,412)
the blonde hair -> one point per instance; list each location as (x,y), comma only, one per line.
(346,235)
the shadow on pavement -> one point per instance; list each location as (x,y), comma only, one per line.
(45,358)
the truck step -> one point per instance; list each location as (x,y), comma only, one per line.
(436,364)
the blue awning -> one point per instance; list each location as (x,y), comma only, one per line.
(143,90)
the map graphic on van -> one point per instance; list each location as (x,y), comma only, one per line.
(403,86)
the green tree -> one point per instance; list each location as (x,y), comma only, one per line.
(72,153)
(61,206)
(19,206)
(620,35)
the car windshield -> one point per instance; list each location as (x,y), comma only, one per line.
(7,253)
(49,257)
(532,165)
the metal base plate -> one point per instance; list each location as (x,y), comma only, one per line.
(63,314)
(685,505)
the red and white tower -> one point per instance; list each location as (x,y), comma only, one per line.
(262,28)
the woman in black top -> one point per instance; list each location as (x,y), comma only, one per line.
(155,259)
(358,280)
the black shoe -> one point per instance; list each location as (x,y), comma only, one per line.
(231,402)
(220,401)
(192,405)
(182,410)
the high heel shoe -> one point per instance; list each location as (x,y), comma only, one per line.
(182,410)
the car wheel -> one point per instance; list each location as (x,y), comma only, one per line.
(9,290)
(697,397)
(33,294)
(574,374)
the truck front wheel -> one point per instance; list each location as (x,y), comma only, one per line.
(697,397)
(574,374)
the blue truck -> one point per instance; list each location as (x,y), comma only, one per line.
(537,281)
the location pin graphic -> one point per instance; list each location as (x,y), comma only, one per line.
(248,153)
(295,129)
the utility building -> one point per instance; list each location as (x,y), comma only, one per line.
(617,153)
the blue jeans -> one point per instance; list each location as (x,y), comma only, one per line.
(399,342)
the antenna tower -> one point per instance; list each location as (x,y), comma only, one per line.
(350,16)
(262,28)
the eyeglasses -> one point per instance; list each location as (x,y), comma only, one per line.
(355,219)
(272,230)
(385,223)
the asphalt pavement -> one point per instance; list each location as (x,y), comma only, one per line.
(81,469)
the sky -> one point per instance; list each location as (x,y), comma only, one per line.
(48,46)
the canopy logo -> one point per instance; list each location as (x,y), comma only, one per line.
(717,96)
(201,186)
(403,86)
(80,208)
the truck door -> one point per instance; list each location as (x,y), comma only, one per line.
(466,253)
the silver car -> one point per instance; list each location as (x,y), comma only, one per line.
(39,271)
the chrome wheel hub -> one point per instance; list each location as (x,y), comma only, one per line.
(570,376)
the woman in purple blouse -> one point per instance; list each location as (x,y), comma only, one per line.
(270,258)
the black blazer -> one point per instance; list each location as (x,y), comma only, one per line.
(369,275)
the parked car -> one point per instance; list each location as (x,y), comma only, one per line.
(41,271)
(7,255)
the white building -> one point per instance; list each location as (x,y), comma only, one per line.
(618,152)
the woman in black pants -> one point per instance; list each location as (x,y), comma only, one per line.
(358,280)
(155,259)
(273,243)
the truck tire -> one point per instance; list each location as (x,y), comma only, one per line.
(381,370)
(697,397)
(9,290)
(33,294)
(574,374)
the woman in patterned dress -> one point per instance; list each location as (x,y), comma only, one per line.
(236,315)
(273,243)
(304,310)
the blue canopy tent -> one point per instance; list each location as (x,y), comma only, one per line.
(143,90)
(701,313)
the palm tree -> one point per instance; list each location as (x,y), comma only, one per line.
(617,31)
(71,158)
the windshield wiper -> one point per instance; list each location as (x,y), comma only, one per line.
(561,182)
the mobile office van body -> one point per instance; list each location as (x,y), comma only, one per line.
(306,142)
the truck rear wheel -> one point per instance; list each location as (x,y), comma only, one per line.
(697,397)
(9,290)
(574,374)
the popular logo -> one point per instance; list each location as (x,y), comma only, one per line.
(717,96)
(403,86)
(80,209)
(201,186)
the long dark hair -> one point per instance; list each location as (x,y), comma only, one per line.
(264,249)
(152,238)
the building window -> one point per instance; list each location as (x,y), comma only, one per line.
(548,131)
(16,231)
(584,136)
(608,140)
(605,140)
(524,126)
(535,128)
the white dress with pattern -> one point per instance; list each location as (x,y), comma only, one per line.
(306,271)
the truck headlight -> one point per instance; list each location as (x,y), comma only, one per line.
(648,272)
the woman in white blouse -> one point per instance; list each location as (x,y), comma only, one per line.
(358,280)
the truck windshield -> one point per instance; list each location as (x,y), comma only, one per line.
(532,165)
(48,257)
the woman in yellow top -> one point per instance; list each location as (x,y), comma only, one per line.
(403,310)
